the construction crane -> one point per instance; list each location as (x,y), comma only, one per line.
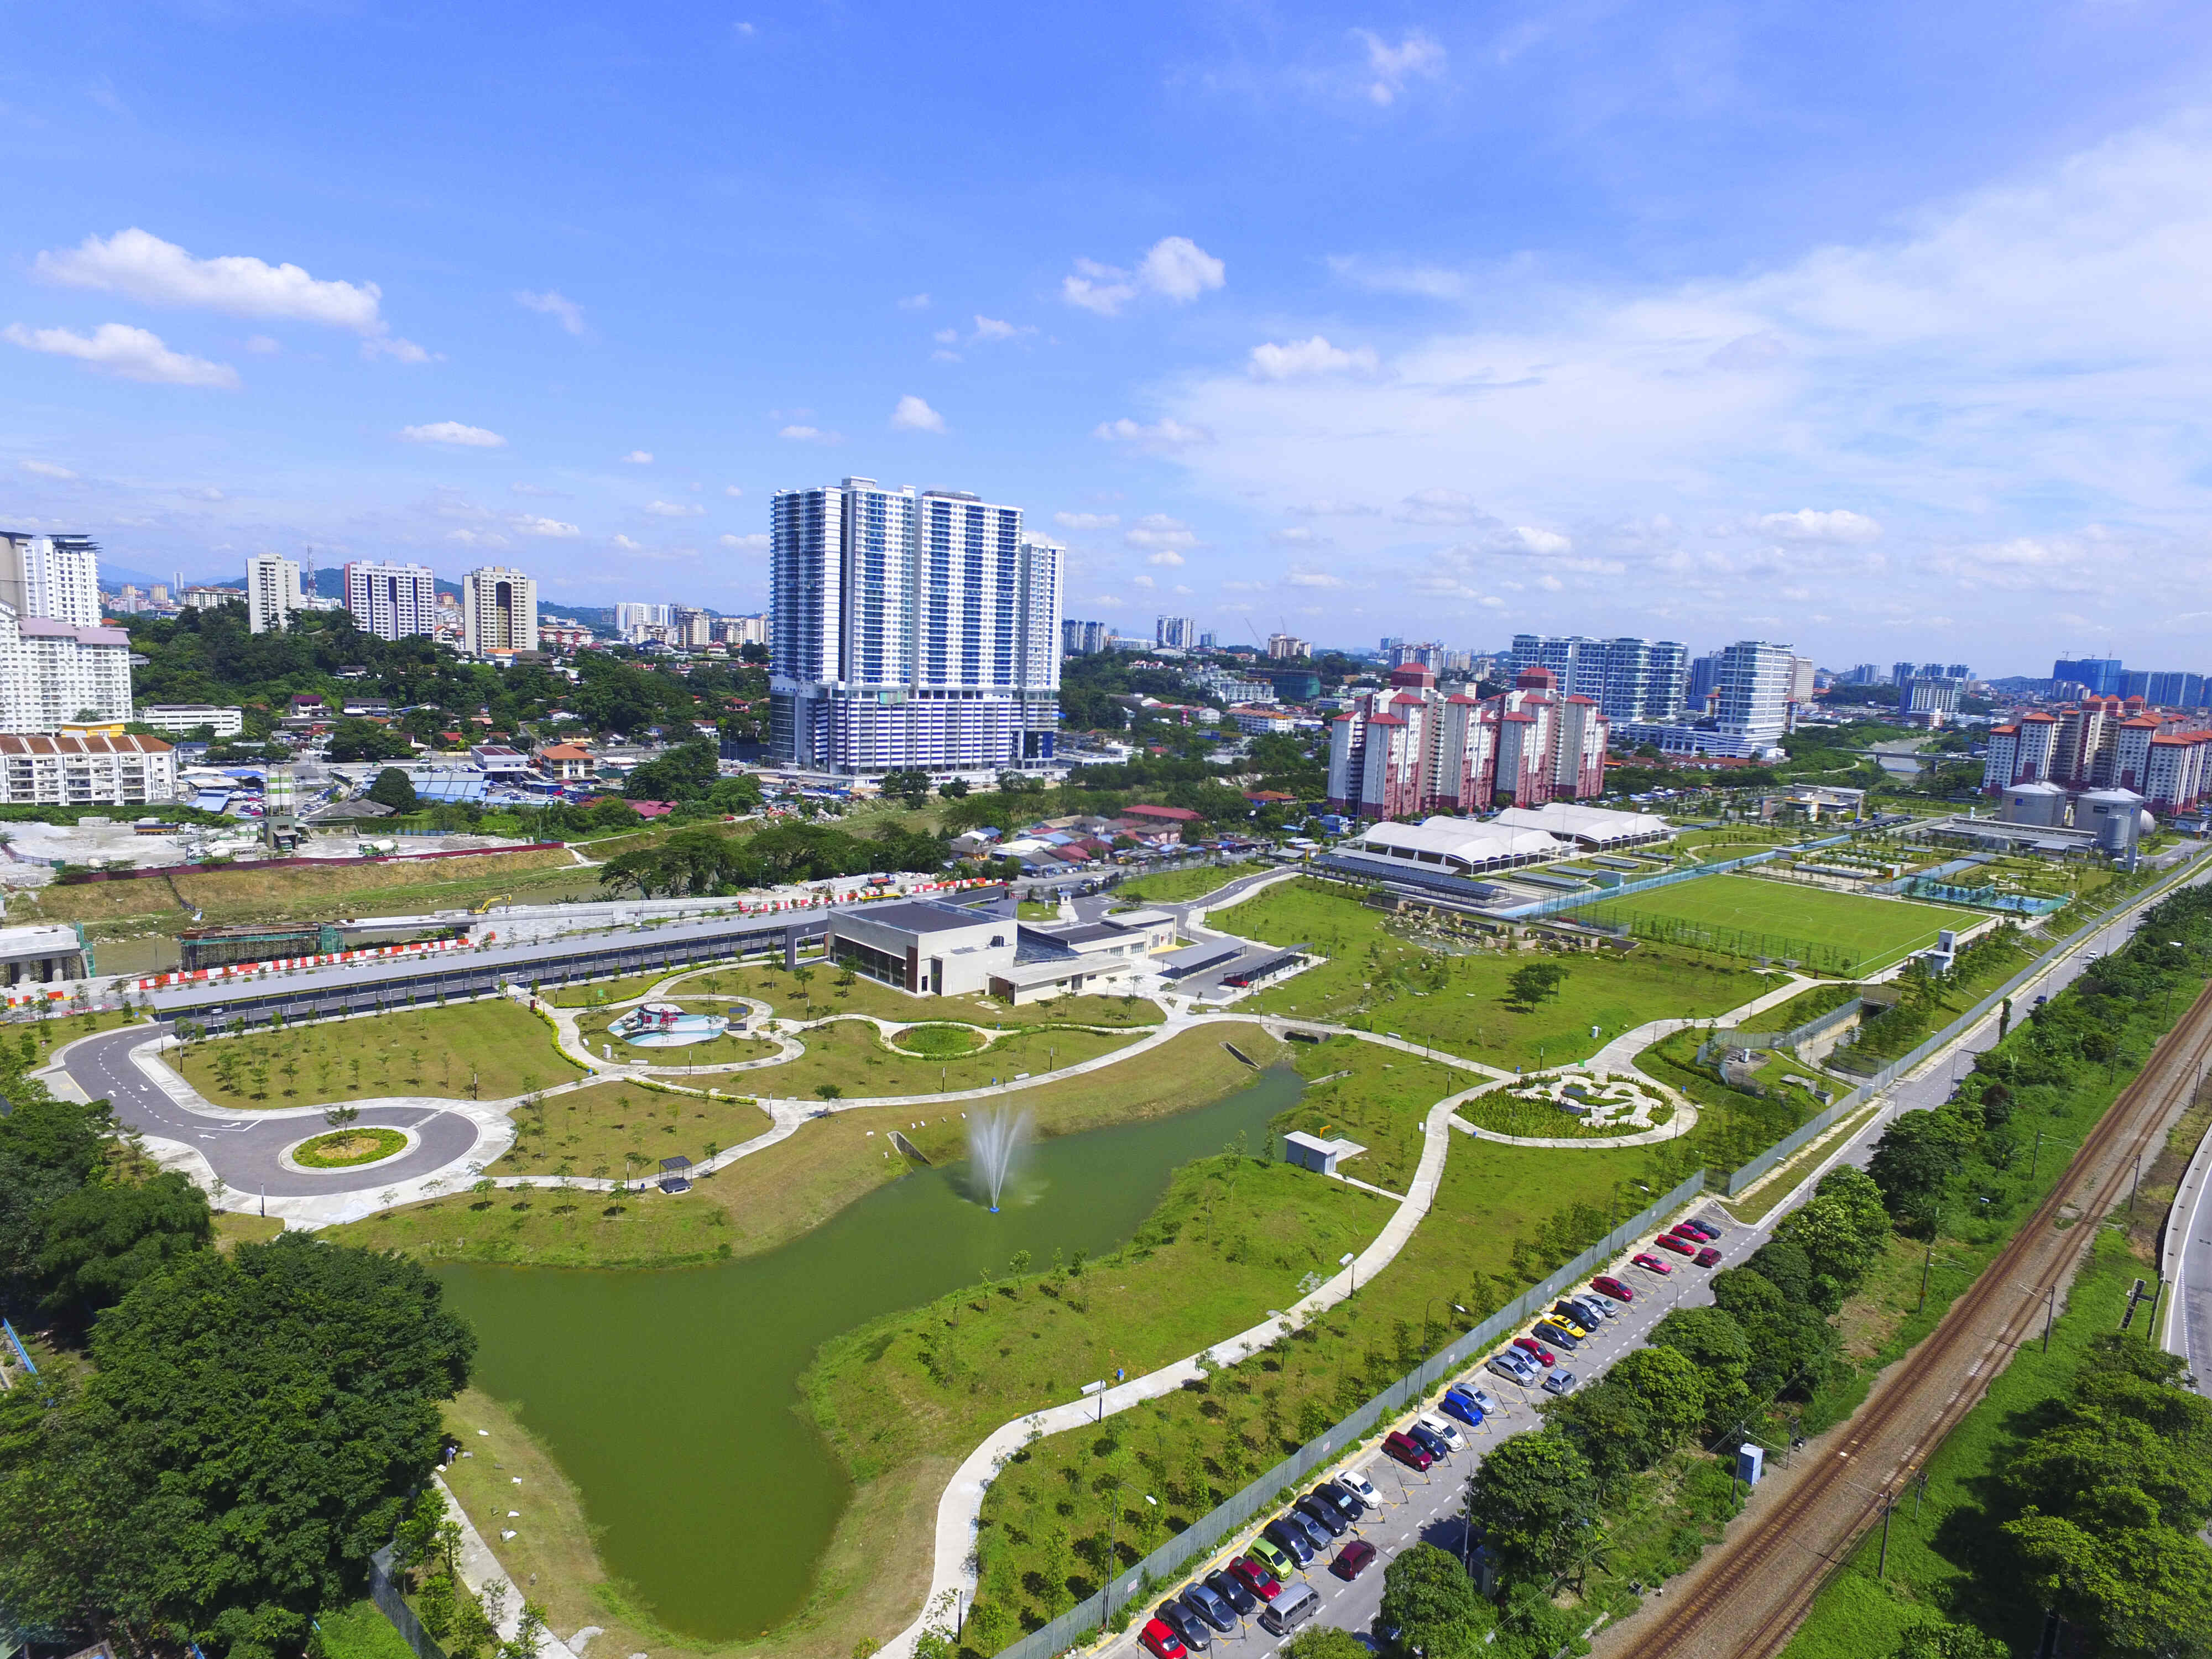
(497,899)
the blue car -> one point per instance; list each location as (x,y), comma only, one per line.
(1461,1404)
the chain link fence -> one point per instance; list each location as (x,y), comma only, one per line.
(384,1590)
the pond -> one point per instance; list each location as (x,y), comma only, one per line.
(671,1398)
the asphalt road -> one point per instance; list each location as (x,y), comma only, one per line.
(244,1153)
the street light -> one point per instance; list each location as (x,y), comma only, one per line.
(1346,1260)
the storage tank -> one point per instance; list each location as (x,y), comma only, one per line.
(2042,805)
(2116,817)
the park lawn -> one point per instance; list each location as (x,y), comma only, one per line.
(604,991)
(850,1057)
(820,996)
(1504,1216)
(1835,933)
(726,1049)
(608,1128)
(1499,1112)
(1036,910)
(1375,980)
(233,1229)
(1805,1007)
(1380,1101)
(359,1630)
(493,1046)
(1945,1553)
(773,1195)
(1180,886)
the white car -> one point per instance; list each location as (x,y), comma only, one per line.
(1444,1430)
(1360,1487)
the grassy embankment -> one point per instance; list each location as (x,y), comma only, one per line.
(611,1127)
(1374,980)
(502,1049)
(1180,886)
(821,995)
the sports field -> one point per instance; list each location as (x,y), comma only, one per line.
(1849,934)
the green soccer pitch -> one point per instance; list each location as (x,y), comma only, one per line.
(1847,933)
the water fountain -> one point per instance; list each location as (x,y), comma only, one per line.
(993,1138)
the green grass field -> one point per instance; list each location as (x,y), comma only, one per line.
(1831,933)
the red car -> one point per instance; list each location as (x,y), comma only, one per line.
(1704,1230)
(1680,1246)
(1687,1230)
(1353,1559)
(1161,1642)
(1407,1450)
(1650,1262)
(1605,1284)
(1709,1257)
(1254,1578)
(1535,1350)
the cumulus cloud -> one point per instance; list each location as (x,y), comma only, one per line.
(1310,357)
(1170,557)
(914,302)
(1313,578)
(992,328)
(1086,520)
(810,435)
(755,542)
(127,353)
(638,457)
(537,489)
(46,469)
(674,509)
(912,415)
(1174,268)
(1811,524)
(1438,507)
(1297,536)
(563,310)
(625,545)
(1327,509)
(732,491)
(528,524)
(454,433)
(1158,529)
(1161,434)
(1542,541)
(1389,66)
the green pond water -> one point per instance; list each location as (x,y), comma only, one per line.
(670,1397)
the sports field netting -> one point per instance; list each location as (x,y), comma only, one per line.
(1847,933)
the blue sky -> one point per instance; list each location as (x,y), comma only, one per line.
(1879,329)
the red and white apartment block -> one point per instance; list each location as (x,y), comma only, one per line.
(1408,750)
(2106,743)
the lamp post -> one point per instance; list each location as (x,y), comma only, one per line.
(1347,1260)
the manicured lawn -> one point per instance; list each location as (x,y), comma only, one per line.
(502,1049)
(593,1131)
(773,1196)
(359,1630)
(1180,886)
(822,995)
(718,1051)
(1380,1104)
(851,1057)
(1375,980)
(604,991)
(1805,1008)
(1499,1112)
(1747,915)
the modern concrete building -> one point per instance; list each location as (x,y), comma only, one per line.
(1086,639)
(928,948)
(391,601)
(52,673)
(43,955)
(1410,749)
(910,630)
(1631,679)
(1180,633)
(65,768)
(55,577)
(181,719)
(272,592)
(499,611)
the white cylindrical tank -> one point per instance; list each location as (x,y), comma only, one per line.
(2116,817)
(2042,805)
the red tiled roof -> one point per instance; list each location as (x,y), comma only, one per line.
(1179,814)
(77,742)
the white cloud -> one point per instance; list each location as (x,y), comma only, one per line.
(454,433)
(914,302)
(1170,558)
(528,524)
(130,354)
(1542,541)
(755,542)
(476,537)
(626,545)
(1158,529)
(1298,536)
(1161,434)
(1141,581)
(638,457)
(142,266)
(1326,509)
(1388,67)
(1313,578)
(732,491)
(202,493)
(46,469)
(947,337)
(1086,520)
(1174,268)
(1313,356)
(399,350)
(551,303)
(912,415)
(810,435)
(1811,524)
(674,509)
(991,328)
(1437,507)
(537,489)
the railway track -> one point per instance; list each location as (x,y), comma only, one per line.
(1747,1598)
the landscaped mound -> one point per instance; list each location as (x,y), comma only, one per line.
(349,1148)
(937,1041)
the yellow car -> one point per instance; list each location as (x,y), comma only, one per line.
(1562,1323)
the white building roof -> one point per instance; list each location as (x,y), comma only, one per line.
(1592,825)
(1460,840)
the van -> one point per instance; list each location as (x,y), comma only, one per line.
(1296,1604)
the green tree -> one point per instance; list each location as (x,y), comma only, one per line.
(365,740)
(912,787)
(1937,1637)
(251,1429)
(686,772)
(1915,1159)
(2143,1588)
(1717,1351)
(1324,1641)
(1670,1389)
(392,789)
(102,1241)
(1534,983)
(1537,1493)
(1435,1605)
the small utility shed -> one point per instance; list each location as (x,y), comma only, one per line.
(1311,1152)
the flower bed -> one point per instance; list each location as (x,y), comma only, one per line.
(345,1148)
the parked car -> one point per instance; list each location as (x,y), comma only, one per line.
(1567,1323)
(1185,1623)
(1260,1584)
(1708,1257)
(1340,1498)
(1559,1383)
(1233,1590)
(1290,1538)
(1269,1554)
(1444,1430)
(1323,1514)
(1579,1311)
(1484,1402)
(1688,1230)
(1429,1441)
(1707,1228)
(1408,1452)
(1536,1350)
(1508,1369)
(1360,1487)
(1315,1534)
(1461,1404)
(1593,1308)
(1557,1335)
(1202,1600)
(1161,1642)
(1649,1263)
(1353,1559)
(1606,1284)
(1680,1246)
